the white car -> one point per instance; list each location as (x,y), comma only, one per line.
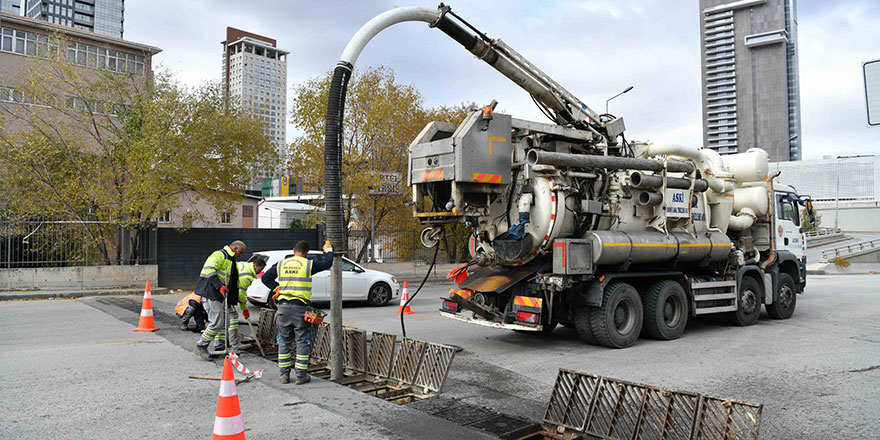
(358,283)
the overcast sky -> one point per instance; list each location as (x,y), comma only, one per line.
(595,48)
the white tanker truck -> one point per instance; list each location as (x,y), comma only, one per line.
(574,225)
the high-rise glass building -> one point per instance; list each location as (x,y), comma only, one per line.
(105,17)
(751,96)
(255,77)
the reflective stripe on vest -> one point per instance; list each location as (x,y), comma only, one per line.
(295,278)
(218,264)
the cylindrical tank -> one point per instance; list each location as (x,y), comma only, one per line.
(753,197)
(616,247)
(751,166)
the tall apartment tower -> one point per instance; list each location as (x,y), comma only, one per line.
(255,76)
(751,96)
(105,17)
(13,7)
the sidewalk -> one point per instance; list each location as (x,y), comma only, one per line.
(75,292)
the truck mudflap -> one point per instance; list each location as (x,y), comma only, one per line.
(493,324)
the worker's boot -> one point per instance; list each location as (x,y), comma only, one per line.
(285,378)
(202,353)
(303,379)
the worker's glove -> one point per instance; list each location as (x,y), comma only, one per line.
(224,290)
(327,246)
(246,314)
(276,291)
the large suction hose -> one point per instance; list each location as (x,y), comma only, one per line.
(333,159)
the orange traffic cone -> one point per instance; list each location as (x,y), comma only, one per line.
(227,422)
(404,297)
(146,323)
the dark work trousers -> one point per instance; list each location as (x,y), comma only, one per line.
(293,328)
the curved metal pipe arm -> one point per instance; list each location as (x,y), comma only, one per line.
(388,18)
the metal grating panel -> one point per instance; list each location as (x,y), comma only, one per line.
(321,342)
(570,399)
(409,359)
(616,409)
(355,349)
(724,419)
(667,414)
(381,354)
(435,367)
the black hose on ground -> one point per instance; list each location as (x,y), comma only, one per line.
(427,274)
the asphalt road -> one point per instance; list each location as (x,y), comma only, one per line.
(73,369)
(817,374)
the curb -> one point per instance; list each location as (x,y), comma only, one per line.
(4,296)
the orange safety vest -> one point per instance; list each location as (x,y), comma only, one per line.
(184,303)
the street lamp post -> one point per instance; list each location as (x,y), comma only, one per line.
(615,96)
(787,140)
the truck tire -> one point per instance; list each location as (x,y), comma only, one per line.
(618,322)
(783,307)
(666,310)
(748,302)
(581,324)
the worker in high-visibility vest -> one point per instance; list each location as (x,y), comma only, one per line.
(294,283)
(190,307)
(218,284)
(247,273)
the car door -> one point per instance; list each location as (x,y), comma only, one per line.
(354,283)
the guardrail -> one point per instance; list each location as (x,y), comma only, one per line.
(841,251)
(821,232)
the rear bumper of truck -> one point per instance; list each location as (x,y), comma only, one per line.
(493,324)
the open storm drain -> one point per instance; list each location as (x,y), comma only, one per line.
(417,371)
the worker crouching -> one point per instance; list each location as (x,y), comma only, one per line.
(190,307)
(294,291)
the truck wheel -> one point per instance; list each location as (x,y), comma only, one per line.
(666,310)
(749,302)
(783,307)
(581,324)
(618,322)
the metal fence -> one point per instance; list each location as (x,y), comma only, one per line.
(396,246)
(53,242)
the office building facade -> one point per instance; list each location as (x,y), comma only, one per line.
(255,77)
(13,7)
(749,67)
(105,17)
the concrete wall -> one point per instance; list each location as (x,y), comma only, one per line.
(861,217)
(79,277)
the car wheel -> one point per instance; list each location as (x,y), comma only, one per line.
(748,303)
(666,310)
(270,303)
(783,307)
(379,294)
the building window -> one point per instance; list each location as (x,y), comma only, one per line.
(226,218)
(165,217)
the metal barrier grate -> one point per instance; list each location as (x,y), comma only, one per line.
(435,366)
(615,409)
(381,354)
(668,414)
(355,350)
(409,359)
(321,342)
(570,399)
(266,327)
(724,419)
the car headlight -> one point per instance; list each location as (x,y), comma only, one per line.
(394,280)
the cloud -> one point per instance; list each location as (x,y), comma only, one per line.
(594,48)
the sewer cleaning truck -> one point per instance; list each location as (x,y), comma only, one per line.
(572,224)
